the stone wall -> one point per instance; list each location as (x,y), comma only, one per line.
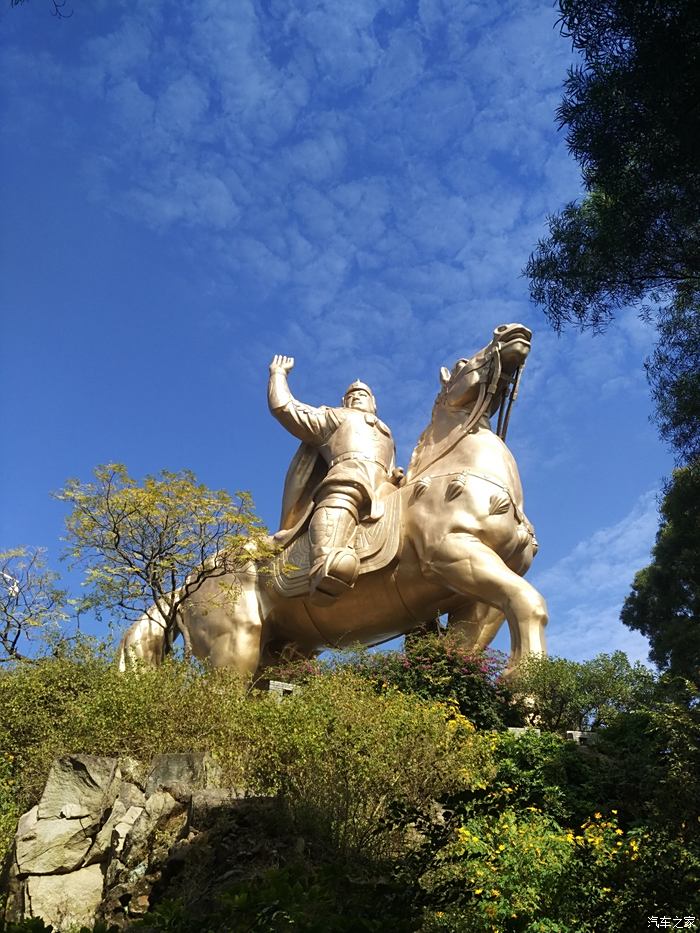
(106,833)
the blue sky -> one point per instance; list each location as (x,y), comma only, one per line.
(190,187)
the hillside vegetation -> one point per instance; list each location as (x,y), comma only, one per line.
(401,800)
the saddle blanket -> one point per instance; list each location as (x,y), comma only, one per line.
(376,543)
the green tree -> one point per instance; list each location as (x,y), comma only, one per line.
(155,543)
(632,118)
(436,667)
(565,694)
(31,603)
(673,371)
(664,603)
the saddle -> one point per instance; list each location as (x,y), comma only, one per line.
(375,543)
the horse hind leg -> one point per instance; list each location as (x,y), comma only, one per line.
(144,642)
(227,635)
(474,625)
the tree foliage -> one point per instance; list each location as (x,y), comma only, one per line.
(30,601)
(664,603)
(632,118)
(579,695)
(391,811)
(436,667)
(673,371)
(155,543)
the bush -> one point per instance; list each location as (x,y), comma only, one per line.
(435,667)
(562,694)
(339,756)
(403,811)
(335,752)
(79,702)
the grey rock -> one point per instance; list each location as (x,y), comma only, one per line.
(208,804)
(134,771)
(110,839)
(54,846)
(131,795)
(27,822)
(80,786)
(66,900)
(160,811)
(103,840)
(196,769)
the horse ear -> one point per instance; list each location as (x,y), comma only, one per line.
(444,375)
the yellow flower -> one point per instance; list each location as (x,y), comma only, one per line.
(597,816)
(479,891)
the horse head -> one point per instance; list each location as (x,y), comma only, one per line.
(487,381)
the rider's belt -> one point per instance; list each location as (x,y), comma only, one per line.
(354,456)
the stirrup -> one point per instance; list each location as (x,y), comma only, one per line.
(337,576)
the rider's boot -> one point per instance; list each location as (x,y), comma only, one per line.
(334,563)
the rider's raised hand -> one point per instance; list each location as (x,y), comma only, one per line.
(281,364)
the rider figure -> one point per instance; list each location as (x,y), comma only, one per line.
(358,450)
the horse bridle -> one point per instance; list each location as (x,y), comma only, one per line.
(487,390)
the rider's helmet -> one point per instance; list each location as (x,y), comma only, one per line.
(362,387)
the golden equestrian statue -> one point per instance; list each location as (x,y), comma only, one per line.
(367,554)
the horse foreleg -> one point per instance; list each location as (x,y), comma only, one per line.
(466,565)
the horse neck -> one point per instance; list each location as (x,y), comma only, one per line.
(444,439)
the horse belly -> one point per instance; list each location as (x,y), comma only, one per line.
(372,612)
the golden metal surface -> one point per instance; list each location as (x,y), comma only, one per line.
(464,540)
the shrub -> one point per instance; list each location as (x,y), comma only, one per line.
(436,667)
(78,702)
(336,753)
(340,755)
(563,694)
(497,872)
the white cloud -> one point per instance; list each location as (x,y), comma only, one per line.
(586,588)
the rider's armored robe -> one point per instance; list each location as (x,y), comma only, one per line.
(358,453)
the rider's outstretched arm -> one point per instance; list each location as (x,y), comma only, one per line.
(309,424)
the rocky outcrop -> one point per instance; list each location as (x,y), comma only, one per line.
(107,833)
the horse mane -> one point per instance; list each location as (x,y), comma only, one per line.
(423,441)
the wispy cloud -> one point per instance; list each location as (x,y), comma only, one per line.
(586,588)
(355,159)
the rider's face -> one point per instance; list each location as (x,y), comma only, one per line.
(359,399)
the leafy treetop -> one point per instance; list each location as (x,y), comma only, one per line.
(664,603)
(155,543)
(632,117)
(30,601)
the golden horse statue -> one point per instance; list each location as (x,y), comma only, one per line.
(461,546)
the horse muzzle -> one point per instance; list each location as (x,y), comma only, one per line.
(514,340)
